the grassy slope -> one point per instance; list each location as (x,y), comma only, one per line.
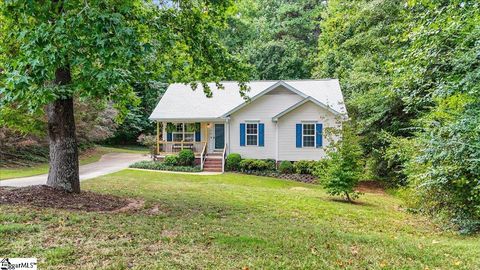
(7,173)
(229,222)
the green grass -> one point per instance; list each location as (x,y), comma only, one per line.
(134,149)
(232,221)
(8,173)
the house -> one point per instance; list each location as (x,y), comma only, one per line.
(281,120)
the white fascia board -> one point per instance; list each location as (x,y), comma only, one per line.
(280,83)
(300,103)
(189,120)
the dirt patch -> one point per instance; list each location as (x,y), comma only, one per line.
(132,205)
(370,187)
(48,197)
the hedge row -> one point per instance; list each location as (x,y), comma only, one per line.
(161,166)
(305,178)
(303,167)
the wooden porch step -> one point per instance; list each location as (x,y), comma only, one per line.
(214,157)
(213,163)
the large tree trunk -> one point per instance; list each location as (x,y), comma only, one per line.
(63,173)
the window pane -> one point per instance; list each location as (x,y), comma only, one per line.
(177,137)
(308,129)
(189,137)
(251,139)
(189,127)
(251,128)
(308,141)
(179,127)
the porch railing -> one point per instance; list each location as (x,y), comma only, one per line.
(166,147)
(203,156)
(224,157)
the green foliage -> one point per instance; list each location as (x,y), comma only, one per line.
(271,164)
(285,167)
(233,162)
(410,75)
(254,165)
(107,46)
(186,157)
(171,160)
(359,41)
(344,167)
(136,121)
(163,166)
(304,166)
(278,38)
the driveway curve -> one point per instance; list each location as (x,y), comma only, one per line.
(108,163)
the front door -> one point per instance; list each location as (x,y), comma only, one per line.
(219,136)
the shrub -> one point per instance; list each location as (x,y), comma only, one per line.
(246,164)
(344,167)
(149,141)
(171,160)
(319,170)
(152,165)
(285,167)
(271,164)
(186,157)
(259,165)
(304,166)
(233,162)
(253,165)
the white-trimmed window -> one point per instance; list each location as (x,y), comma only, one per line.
(308,134)
(181,134)
(251,133)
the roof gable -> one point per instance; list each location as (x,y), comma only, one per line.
(300,103)
(180,102)
(269,89)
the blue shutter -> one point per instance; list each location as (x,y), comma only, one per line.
(242,134)
(169,136)
(261,134)
(197,133)
(299,135)
(319,135)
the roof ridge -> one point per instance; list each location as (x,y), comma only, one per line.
(284,80)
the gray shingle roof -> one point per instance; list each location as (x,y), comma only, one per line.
(180,102)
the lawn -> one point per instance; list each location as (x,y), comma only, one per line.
(90,157)
(231,221)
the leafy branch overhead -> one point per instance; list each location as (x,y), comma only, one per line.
(107,46)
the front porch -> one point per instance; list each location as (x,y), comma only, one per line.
(205,139)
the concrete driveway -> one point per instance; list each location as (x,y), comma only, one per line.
(108,163)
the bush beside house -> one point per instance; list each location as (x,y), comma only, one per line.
(267,167)
(162,166)
(233,162)
(183,162)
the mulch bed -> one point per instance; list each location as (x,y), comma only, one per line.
(46,196)
(304,178)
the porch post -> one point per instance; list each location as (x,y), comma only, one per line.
(164,134)
(158,137)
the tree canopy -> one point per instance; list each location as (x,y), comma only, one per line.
(56,51)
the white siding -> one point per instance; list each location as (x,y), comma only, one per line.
(262,109)
(287,132)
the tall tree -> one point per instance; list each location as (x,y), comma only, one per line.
(277,37)
(359,41)
(55,51)
(410,73)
